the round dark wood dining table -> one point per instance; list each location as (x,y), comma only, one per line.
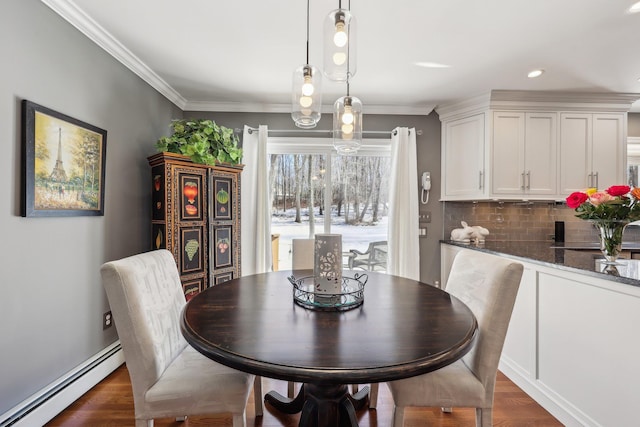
(404,328)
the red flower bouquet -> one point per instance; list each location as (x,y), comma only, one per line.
(610,211)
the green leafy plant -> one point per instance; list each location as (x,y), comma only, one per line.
(203,141)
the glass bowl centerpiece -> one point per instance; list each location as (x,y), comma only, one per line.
(610,211)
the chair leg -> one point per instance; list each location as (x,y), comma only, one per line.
(398,416)
(257,395)
(373,395)
(291,389)
(484,417)
(240,420)
(144,423)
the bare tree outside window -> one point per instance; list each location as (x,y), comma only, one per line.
(358,198)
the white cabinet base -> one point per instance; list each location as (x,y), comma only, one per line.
(572,344)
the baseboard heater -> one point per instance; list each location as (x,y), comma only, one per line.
(51,400)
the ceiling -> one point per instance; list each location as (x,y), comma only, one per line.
(240,55)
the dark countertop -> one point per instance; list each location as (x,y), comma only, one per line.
(581,258)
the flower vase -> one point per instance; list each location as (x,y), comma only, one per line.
(611,239)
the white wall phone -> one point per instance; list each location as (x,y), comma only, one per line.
(426,186)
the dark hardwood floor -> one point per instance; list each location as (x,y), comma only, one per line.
(110,403)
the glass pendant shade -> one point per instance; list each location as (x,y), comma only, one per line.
(347,125)
(306,100)
(339,45)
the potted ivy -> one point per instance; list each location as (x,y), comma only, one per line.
(203,141)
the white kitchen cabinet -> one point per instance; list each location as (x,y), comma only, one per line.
(463,152)
(515,145)
(592,151)
(569,344)
(519,349)
(524,152)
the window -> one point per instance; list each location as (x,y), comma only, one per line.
(316,191)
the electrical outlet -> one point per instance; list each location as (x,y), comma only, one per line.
(107,320)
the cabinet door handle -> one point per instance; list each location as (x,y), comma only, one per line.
(522,180)
(596,179)
(528,180)
(590,180)
(481,181)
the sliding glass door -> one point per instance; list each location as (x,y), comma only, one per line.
(316,191)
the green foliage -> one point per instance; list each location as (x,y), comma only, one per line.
(203,141)
(619,209)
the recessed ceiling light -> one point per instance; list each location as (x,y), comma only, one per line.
(535,73)
(431,65)
(635,8)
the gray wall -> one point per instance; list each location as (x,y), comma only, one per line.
(51,298)
(633,126)
(428,147)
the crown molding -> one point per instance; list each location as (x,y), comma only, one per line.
(245,107)
(68,10)
(522,100)
(237,107)
(464,108)
(563,100)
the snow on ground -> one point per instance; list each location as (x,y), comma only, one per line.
(353,236)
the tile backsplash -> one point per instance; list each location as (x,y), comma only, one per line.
(522,221)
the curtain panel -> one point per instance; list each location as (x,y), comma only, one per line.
(404,246)
(256,203)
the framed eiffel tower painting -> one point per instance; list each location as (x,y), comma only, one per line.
(63,164)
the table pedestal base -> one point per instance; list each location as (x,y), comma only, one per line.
(322,405)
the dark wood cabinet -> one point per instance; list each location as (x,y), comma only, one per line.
(196,216)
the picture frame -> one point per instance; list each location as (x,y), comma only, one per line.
(191,252)
(63,164)
(222,200)
(222,246)
(190,195)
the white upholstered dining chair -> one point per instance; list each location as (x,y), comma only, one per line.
(302,254)
(169,377)
(488,285)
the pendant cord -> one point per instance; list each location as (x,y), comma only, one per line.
(307,32)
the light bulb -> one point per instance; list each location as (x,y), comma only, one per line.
(306,111)
(306,101)
(339,58)
(307,87)
(347,129)
(347,136)
(340,36)
(347,116)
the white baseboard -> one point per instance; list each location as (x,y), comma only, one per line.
(44,405)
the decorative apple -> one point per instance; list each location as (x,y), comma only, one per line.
(190,191)
(156,182)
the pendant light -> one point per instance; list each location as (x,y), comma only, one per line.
(347,124)
(340,44)
(306,99)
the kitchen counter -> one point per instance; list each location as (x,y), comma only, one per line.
(577,257)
